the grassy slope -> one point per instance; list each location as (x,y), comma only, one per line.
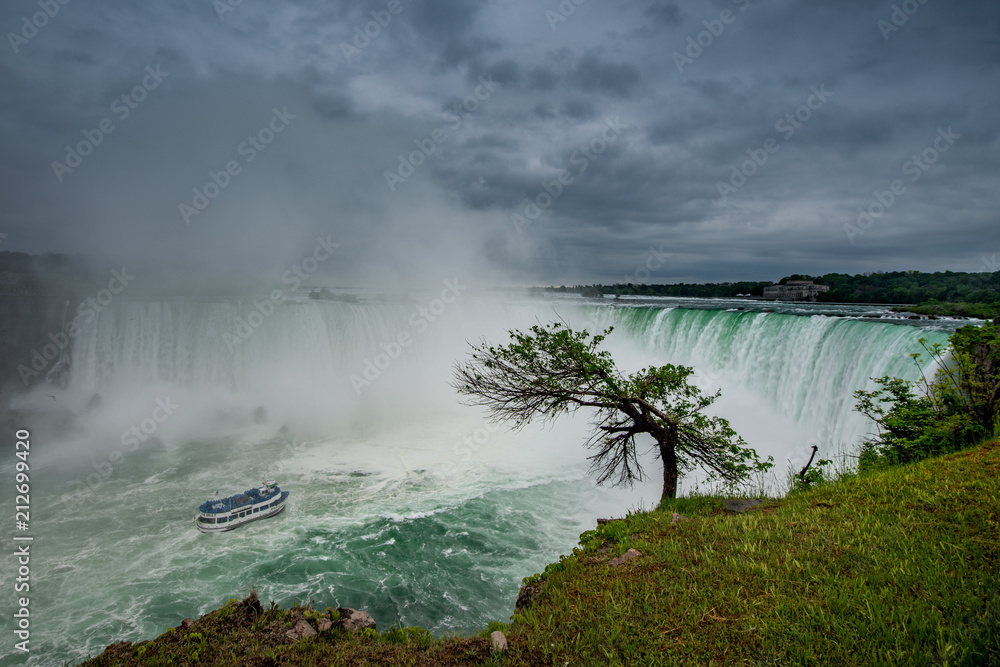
(896,568)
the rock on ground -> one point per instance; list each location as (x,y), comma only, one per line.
(498,640)
(739,504)
(351,619)
(300,630)
(631,554)
(303,629)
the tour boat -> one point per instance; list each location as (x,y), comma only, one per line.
(222,514)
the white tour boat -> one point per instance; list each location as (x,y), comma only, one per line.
(222,514)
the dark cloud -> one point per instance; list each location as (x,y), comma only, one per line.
(542,78)
(332,105)
(410,99)
(506,72)
(544,110)
(594,74)
(662,12)
(578,109)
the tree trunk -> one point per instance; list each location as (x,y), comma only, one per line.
(668,455)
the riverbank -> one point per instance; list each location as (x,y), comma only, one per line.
(900,567)
(979,311)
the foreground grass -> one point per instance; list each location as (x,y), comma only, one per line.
(894,568)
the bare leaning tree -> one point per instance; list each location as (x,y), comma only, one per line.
(553,370)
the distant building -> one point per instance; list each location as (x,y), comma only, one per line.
(795,290)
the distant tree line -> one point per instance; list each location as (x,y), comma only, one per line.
(705,291)
(895,287)
(22,274)
(909,287)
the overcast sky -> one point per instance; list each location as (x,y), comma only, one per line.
(646,109)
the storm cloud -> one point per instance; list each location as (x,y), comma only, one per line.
(437,138)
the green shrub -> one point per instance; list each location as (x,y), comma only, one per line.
(918,419)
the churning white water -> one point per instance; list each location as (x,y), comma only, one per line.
(403,502)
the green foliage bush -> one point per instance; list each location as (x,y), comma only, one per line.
(919,419)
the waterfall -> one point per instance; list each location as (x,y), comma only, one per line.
(308,356)
(804,368)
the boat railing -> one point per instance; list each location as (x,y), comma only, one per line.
(229,503)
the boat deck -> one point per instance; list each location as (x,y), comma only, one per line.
(251,497)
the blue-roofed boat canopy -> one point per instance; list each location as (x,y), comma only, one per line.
(252,497)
